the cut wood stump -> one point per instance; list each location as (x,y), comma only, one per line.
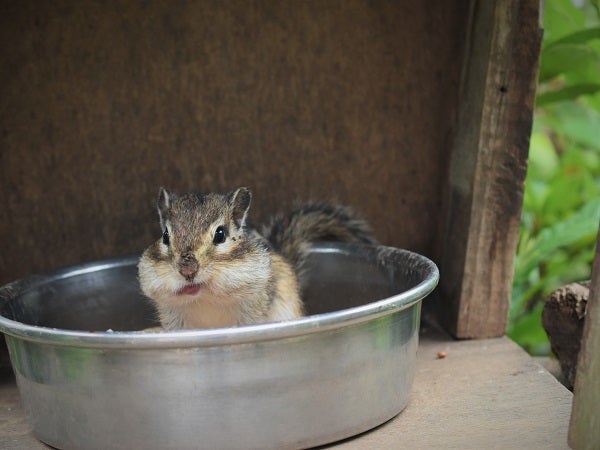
(563,318)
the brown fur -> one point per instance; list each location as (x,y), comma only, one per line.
(245,279)
(291,234)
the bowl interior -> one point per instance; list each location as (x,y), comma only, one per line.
(106,295)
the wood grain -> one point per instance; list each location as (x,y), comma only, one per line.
(584,431)
(488,166)
(349,100)
(485,394)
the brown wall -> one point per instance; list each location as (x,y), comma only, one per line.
(100,104)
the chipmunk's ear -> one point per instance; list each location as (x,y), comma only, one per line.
(165,198)
(240,204)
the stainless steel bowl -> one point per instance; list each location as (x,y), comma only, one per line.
(342,370)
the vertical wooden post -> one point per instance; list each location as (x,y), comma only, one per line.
(488,166)
(584,432)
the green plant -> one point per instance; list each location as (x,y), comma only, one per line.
(561,208)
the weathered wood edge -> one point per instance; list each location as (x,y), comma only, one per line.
(488,166)
(584,430)
(563,319)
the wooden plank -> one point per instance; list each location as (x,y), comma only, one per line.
(488,166)
(485,394)
(349,100)
(584,432)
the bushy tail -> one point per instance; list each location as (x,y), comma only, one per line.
(293,233)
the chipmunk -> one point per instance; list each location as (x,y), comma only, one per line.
(211,269)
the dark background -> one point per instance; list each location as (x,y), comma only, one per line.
(102,103)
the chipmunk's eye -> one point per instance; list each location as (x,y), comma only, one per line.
(220,235)
(166,237)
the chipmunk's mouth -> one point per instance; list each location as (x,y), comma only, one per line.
(189,289)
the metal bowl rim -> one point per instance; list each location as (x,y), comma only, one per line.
(217,336)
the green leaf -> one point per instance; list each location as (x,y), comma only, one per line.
(543,160)
(534,197)
(529,333)
(561,18)
(581,224)
(576,161)
(577,37)
(591,160)
(573,264)
(592,101)
(563,196)
(562,58)
(576,121)
(521,298)
(567,93)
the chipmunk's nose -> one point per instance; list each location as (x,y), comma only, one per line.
(188,265)
(188,271)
